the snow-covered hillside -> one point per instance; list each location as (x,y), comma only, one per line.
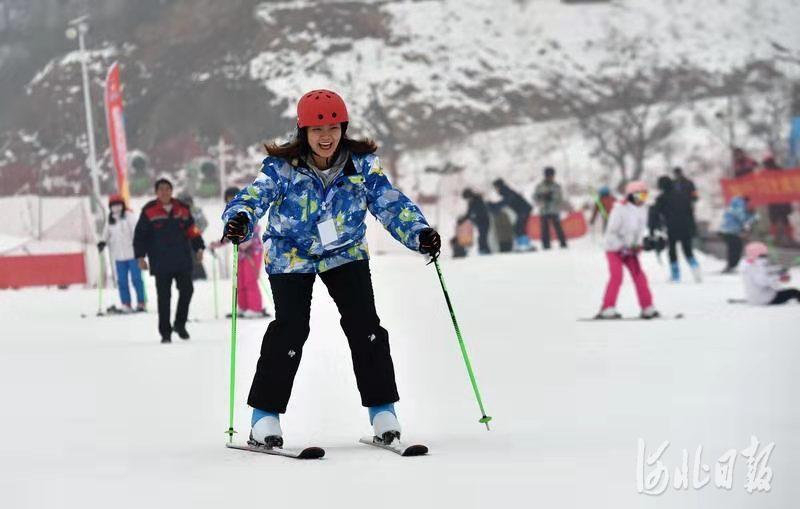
(96,413)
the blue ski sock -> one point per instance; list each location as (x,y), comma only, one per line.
(693,263)
(375,410)
(258,414)
(676,271)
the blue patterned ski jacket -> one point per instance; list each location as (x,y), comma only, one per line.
(297,203)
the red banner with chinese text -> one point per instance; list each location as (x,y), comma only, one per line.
(765,186)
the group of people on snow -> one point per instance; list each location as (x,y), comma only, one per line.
(492,222)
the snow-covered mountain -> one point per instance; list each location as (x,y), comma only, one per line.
(416,74)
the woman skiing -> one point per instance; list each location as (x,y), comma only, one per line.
(119,238)
(626,226)
(317,190)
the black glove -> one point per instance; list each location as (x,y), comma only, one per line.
(429,242)
(100,246)
(648,244)
(236,228)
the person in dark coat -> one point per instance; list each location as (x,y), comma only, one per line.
(779,226)
(673,211)
(743,164)
(167,235)
(550,199)
(684,185)
(522,211)
(478,213)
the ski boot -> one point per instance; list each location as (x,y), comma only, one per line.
(266,430)
(649,313)
(698,276)
(610,313)
(384,424)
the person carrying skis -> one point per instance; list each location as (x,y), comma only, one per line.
(522,211)
(737,222)
(248,295)
(317,189)
(550,199)
(762,280)
(478,214)
(118,236)
(626,226)
(673,211)
(167,236)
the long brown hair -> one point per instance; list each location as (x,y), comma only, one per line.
(299,147)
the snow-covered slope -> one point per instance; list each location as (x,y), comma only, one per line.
(96,413)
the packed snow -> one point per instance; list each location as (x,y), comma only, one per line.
(97,413)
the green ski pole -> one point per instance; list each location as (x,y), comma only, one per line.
(485,418)
(235,295)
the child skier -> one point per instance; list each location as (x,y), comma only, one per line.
(762,280)
(317,189)
(626,226)
(119,238)
(248,299)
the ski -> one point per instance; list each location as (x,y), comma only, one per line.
(396,447)
(307,453)
(678,316)
(737,301)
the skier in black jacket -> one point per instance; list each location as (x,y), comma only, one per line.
(167,236)
(673,211)
(522,210)
(478,213)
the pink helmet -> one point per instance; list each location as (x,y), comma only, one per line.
(755,249)
(635,186)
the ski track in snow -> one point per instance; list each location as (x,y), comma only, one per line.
(96,413)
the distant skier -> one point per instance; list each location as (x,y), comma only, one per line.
(762,280)
(198,271)
(604,203)
(317,190)
(167,236)
(478,214)
(522,211)
(673,211)
(743,164)
(501,227)
(251,252)
(626,227)
(737,222)
(118,236)
(550,200)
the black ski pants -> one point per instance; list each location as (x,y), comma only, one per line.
(734,246)
(521,223)
(350,286)
(483,236)
(685,240)
(784,296)
(546,220)
(183,281)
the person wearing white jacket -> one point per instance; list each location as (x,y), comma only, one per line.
(118,236)
(623,241)
(762,280)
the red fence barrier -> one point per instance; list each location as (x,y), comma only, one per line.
(42,270)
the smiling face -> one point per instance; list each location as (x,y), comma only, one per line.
(324,140)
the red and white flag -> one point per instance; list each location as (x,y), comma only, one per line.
(115,120)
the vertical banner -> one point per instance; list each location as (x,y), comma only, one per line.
(116,129)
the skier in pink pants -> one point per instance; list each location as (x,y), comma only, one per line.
(626,227)
(248,302)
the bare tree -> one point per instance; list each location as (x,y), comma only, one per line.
(625,103)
